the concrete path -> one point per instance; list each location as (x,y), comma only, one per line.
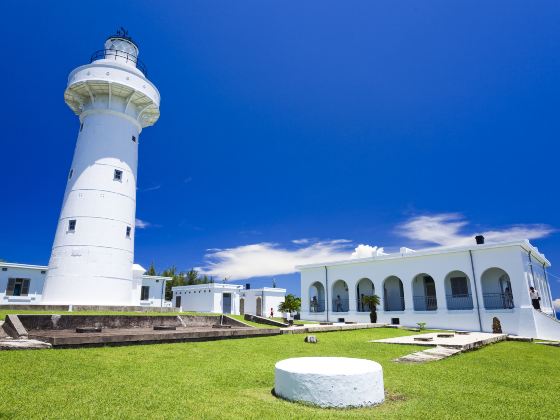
(429,355)
(448,344)
(464,341)
(335,326)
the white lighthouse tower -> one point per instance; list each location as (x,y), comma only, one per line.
(93,252)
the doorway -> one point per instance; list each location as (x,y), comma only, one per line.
(259,306)
(177,301)
(241,306)
(226,303)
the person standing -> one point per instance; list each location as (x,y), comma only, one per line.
(535,298)
(338,303)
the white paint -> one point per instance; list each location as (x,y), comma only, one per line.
(330,381)
(93,265)
(36,275)
(210,298)
(387,271)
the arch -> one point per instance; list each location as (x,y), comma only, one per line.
(242,306)
(458,292)
(424,293)
(496,289)
(364,287)
(393,294)
(340,296)
(259,306)
(317,297)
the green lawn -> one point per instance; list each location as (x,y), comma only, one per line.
(234,378)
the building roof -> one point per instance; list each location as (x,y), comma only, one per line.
(407,253)
(27,266)
(209,286)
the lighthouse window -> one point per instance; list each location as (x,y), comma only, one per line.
(71,225)
(134,139)
(70,173)
(81,126)
(118,175)
(128,230)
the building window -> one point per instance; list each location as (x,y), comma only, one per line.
(134,139)
(81,126)
(17,287)
(118,175)
(145,293)
(70,173)
(459,286)
(71,225)
(128,230)
(43,271)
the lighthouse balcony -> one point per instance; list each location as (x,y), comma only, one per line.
(121,57)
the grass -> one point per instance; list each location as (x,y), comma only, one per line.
(234,378)
(251,323)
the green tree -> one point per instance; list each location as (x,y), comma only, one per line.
(152,270)
(191,277)
(372,301)
(177,279)
(291,304)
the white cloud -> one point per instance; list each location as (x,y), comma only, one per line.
(556,304)
(447,229)
(366,251)
(152,188)
(268,259)
(141,224)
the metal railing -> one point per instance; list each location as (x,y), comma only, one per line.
(425,303)
(497,301)
(458,302)
(114,54)
(394,306)
(340,305)
(362,307)
(317,305)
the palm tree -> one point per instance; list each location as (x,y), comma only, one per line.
(372,301)
(290,304)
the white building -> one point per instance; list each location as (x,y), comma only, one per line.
(447,287)
(23,284)
(223,298)
(93,252)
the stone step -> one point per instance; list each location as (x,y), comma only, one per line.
(21,344)
(429,355)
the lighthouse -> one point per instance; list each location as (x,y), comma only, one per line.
(92,258)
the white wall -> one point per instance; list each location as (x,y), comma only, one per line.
(36,275)
(510,258)
(92,265)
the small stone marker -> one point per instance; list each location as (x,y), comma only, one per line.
(446,335)
(330,381)
(325,323)
(221,326)
(88,329)
(311,339)
(164,327)
(462,332)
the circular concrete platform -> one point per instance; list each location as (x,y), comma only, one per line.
(330,381)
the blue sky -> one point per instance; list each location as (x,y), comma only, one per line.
(295,131)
